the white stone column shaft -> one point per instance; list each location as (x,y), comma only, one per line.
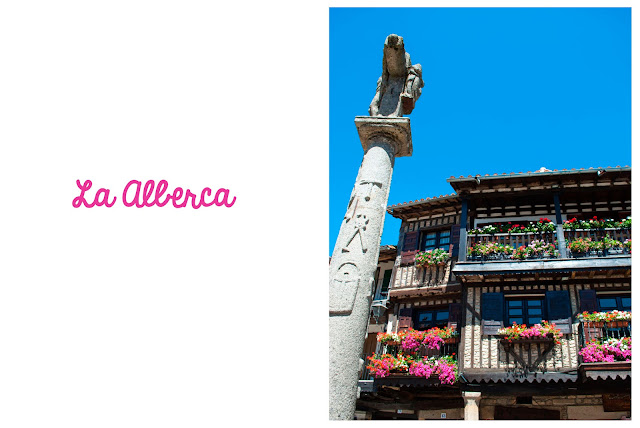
(355,257)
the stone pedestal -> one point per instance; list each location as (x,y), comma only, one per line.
(471,405)
(355,256)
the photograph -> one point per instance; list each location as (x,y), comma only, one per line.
(480,213)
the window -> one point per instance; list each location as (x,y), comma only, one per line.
(425,320)
(611,303)
(384,288)
(524,311)
(435,239)
(496,310)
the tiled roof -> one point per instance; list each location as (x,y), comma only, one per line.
(418,201)
(542,170)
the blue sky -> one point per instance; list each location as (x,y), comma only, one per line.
(506,90)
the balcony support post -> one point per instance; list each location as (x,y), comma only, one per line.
(462,251)
(471,405)
(562,246)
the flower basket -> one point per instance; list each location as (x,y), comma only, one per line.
(617,324)
(451,340)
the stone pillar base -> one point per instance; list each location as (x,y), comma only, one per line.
(471,405)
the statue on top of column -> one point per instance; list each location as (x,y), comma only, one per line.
(401,83)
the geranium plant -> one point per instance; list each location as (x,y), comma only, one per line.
(580,245)
(433,257)
(381,366)
(522,253)
(596,223)
(445,367)
(614,315)
(608,351)
(541,225)
(538,331)
(542,248)
(389,337)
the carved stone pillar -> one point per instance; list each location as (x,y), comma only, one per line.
(355,256)
(471,405)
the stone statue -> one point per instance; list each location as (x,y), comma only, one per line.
(401,83)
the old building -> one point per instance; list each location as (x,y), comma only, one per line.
(519,248)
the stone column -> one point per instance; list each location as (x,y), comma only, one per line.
(471,405)
(355,256)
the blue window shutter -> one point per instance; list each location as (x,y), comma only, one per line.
(455,315)
(405,319)
(588,301)
(492,311)
(455,241)
(559,310)
(409,247)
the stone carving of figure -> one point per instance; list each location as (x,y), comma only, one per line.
(400,84)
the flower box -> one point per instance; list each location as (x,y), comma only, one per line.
(527,340)
(616,324)
(610,324)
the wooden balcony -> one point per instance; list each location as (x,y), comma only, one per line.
(411,276)
(494,264)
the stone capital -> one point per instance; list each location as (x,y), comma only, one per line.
(471,395)
(395,131)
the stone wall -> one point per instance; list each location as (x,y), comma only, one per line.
(578,407)
(450,414)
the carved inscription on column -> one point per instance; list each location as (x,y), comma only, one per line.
(343,289)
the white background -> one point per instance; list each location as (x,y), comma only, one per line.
(161,316)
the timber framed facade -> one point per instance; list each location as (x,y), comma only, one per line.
(478,295)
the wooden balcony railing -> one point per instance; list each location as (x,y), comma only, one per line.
(517,240)
(589,331)
(450,347)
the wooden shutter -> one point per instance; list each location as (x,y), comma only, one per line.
(454,247)
(405,321)
(492,311)
(386,280)
(588,301)
(559,309)
(409,247)
(455,315)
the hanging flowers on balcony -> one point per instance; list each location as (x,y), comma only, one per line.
(542,225)
(493,250)
(433,257)
(488,249)
(580,245)
(608,351)
(411,340)
(445,367)
(383,365)
(389,338)
(540,248)
(614,315)
(627,245)
(596,223)
(519,332)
